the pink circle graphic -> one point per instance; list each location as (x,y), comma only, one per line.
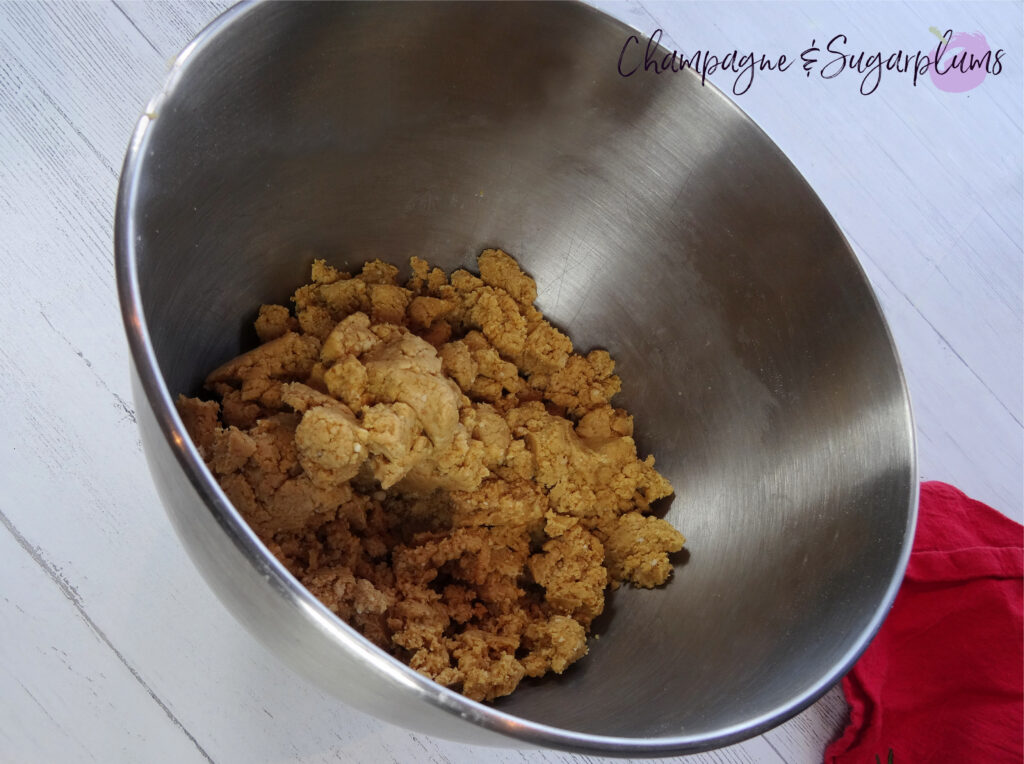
(962,64)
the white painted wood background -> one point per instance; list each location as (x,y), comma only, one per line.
(113,649)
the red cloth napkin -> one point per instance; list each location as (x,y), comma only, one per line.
(943,681)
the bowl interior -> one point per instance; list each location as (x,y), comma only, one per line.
(659,223)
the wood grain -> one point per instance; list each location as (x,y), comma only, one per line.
(113,649)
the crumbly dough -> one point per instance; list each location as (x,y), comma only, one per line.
(439,467)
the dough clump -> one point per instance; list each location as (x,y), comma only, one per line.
(438,466)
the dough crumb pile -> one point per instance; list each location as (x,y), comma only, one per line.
(437,465)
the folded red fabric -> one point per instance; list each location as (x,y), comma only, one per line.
(943,681)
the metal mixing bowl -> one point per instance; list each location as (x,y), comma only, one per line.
(658,221)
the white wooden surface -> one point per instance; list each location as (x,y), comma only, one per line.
(111,646)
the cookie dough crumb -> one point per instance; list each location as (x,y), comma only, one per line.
(637,547)
(274,321)
(553,645)
(439,467)
(498,269)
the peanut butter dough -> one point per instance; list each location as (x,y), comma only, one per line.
(439,467)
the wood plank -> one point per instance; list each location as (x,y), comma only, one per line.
(168,27)
(803,738)
(92,705)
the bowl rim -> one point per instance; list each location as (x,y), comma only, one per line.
(159,398)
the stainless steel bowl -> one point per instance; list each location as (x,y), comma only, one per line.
(659,222)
